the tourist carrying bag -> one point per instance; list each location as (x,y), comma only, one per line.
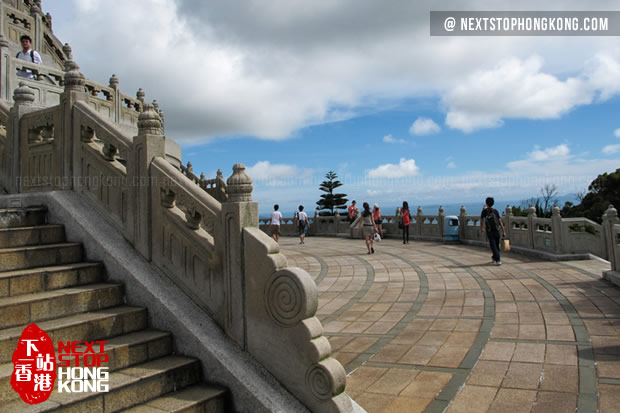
(377,237)
(505,245)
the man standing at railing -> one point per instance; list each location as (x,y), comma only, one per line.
(29,55)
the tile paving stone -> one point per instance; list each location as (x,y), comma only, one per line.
(523,376)
(498,351)
(513,401)
(488,373)
(529,353)
(561,333)
(434,317)
(610,398)
(394,381)
(427,384)
(547,402)
(407,405)
(473,399)
(561,354)
(561,379)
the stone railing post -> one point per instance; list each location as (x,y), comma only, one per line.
(114,84)
(238,212)
(74,92)
(22,98)
(610,218)
(462,222)
(37,30)
(419,221)
(531,227)
(556,230)
(148,144)
(507,221)
(440,220)
(4,58)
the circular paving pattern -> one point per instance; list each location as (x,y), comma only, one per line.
(430,327)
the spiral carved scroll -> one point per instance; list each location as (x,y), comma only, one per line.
(285,299)
(319,381)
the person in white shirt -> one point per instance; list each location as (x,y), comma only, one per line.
(276,220)
(29,55)
(303,224)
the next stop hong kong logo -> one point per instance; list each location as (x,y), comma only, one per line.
(80,366)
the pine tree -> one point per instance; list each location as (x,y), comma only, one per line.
(330,200)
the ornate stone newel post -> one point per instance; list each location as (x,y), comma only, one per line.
(462,222)
(23,98)
(610,218)
(148,144)
(556,230)
(238,212)
(531,227)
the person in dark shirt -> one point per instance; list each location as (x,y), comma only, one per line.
(492,225)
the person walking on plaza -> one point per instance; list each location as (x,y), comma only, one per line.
(276,220)
(353,210)
(303,224)
(376,216)
(29,55)
(368,228)
(492,225)
(405,219)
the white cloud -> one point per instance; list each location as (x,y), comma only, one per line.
(515,88)
(405,168)
(268,69)
(277,174)
(611,149)
(391,139)
(617,133)
(542,158)
(424,126)
(451,165)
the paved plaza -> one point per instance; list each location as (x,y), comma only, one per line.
(426,326)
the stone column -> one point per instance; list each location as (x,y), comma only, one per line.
(148,144)
(4,56)
(70,132)
(531,228)
(440,220)
(556,230)
(22,98)
(462,222)
(114,84)
(37,30)
(507,221)
(419,221)
(610,218)
(238,212)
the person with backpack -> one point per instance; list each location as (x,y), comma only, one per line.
(303,224)
(492,225)
(29,55)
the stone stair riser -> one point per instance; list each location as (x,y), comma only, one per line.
(18,237)
(34,281)
(30,257)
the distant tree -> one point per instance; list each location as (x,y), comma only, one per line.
(330,200)
(548,192)
(603,191)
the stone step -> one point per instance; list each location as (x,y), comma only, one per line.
(128,388)
(34,308)
(34,280)
(21,236)
(94,325)
(123,351)
(200,398)
(39,256)
(23,217)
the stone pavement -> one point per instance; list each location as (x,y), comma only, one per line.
(433,327)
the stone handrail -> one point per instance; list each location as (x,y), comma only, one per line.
(212,250)
(215,187)
(5,110)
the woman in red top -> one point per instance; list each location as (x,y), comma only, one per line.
(406,219)
(376,216)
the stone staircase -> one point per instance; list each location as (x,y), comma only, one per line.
(44,280)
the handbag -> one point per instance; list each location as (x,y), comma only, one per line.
(377,237)
(505,245)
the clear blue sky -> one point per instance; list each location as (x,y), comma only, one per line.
(295,89)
